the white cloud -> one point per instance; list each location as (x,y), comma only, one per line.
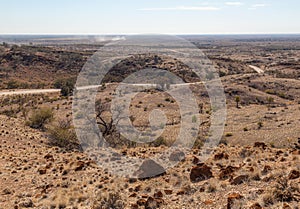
(206,8)
(234,3)
(259,5)
(255,6)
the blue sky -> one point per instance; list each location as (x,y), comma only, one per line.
(149,16)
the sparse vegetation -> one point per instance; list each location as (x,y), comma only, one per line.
(39,118)
(62,133)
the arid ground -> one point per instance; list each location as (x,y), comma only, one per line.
(256,164)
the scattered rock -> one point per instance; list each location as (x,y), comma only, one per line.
(7,191)
(79,165)
(220,156)
(141,202)
(49,157)
(153,203)
(196,160)
(232,198)
(256,206)
(168,191)
(239,179)
(286,206)
(177,156)
(266,169)
(208,202)
(42,171)
(227,172)
(26,203)
(200,173)
(294,174)
(261,145)
(158,194)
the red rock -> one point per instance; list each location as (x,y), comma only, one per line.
(294,174)
(158,194)
(133,195)
(227,172)
(260,144)
(181,192)
(168,191)
(141,202)
(208,202)
(256,206)
(286,206)
(232,198)
(200,173)
(49,157)
(195,160)
(42,171)
(220,156)
(239,179)
(152,203)
(266,169)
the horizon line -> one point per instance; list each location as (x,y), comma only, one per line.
(127,34)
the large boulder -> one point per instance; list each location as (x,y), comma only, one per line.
(200,173)
(149,169)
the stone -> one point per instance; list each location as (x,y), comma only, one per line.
(141,202)
(239,179)
(168,191)
(200,173)
(256,206)
(153,203)
(42,171)
(195,160)
(49,157)
(261,145)
(220,156)
(177,156)
(294,174)
(158,194)
(227,172)
(149,169)
(26,203)
(232,198)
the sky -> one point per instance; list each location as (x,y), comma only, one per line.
(149,16)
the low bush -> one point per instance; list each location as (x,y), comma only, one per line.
(63,134)
(40,118)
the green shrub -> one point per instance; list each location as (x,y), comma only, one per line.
(159,142)
(40,118)
(229,134)
(66,86)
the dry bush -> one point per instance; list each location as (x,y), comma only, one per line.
(63,134)
(40,118)
(286,191)
(108,201)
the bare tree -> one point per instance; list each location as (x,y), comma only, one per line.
(107,123)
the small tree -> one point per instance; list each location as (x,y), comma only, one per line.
(270,101)
(237,100)
(66,86)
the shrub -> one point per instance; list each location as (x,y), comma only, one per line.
(260,124)
(108,201)
(159,142)
(66,86)
(62,134)
(229,134)
(40,118)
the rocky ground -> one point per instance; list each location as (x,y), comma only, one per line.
(36,175)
